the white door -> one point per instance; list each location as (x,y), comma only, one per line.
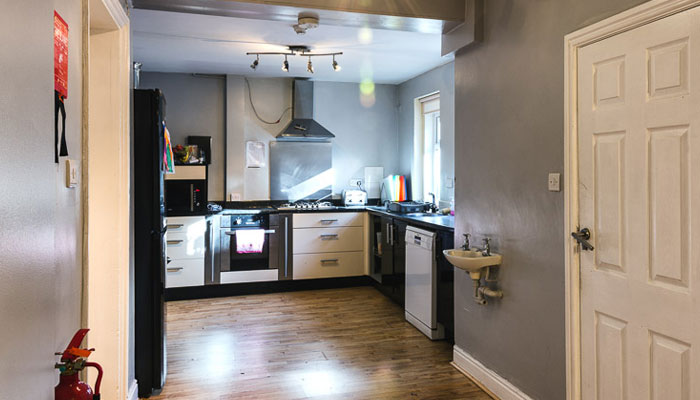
(639,193)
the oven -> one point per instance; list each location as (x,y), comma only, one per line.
(227,256)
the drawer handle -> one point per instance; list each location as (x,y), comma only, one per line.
(175,269)
(267,231)
(172,242)
(329,236)
(328,221)
(175,226)
(330,260)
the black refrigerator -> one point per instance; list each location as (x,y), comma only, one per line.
(149,241)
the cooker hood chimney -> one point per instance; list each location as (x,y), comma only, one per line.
(303,126)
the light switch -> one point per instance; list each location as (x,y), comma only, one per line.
(71,173)
(554,182)
(450,183)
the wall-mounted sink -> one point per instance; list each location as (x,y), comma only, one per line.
(472,261)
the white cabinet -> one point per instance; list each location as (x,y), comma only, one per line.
(328,245)
(328,265)
(325,240)
(185,251)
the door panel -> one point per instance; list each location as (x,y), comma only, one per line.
(639,116)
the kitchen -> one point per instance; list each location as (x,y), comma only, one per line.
(287,179)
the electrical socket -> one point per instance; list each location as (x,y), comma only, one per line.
(355,182)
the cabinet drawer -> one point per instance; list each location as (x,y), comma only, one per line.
(184,246)
(329,265)
(191,225)
(327,240)
(326,220)
(180,273)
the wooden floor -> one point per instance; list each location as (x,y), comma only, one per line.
(329,344)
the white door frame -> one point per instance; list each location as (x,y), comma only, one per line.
(105,187)
(625,21)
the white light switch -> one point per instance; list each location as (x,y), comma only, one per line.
(554,182)
(449,183)
(71,173)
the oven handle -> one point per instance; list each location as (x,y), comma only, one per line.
(267,231)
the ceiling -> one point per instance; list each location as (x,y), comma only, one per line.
(194,43)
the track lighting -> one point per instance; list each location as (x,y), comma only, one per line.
(302,51)
(285,65)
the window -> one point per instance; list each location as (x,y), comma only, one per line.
(429,143)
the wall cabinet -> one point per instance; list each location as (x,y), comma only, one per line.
(328,245)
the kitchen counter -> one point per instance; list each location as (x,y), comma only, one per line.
(442,222)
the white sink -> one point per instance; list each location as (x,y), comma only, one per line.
(471,261)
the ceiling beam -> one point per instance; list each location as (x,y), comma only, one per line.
(404,15)
(445,10)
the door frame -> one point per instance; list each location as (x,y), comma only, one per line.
(105,188)
(627,20)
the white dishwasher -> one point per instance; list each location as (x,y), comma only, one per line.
(421,283)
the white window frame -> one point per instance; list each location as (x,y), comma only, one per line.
(426,150)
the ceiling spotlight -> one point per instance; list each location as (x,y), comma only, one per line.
(285,65)
(310,66)
(336,66)
(255,63)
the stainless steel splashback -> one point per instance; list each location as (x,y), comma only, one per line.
(300,170)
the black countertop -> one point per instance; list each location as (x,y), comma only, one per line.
(425,220)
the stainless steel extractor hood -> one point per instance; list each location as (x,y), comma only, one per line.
(303,126)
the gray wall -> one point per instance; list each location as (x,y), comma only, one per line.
(364,136)
(195,107)
(440,79)
(40,232)
(509,101)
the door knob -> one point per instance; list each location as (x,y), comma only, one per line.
(582,236)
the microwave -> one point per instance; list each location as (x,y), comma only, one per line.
(186,190)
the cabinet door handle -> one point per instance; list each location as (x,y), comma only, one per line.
(175,226)
(173,242)
(175,269)
(329,236)
(330,260)
(328,221)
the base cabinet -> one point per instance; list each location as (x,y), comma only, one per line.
(328,245)
(185,250)
(388,264)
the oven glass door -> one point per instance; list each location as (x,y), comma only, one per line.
(232,260)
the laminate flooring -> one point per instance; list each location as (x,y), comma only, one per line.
(348,343)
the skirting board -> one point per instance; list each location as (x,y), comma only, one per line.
(133,391)
(493,383)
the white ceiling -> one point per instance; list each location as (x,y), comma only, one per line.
(193,43)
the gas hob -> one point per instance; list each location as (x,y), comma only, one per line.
(307,206)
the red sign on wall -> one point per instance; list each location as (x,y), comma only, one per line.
(60,55)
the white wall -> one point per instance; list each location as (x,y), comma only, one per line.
(364,136)
(439,79)
(40,232)
(195,107)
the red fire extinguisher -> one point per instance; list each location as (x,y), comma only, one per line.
(74,360)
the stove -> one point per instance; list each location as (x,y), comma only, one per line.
(307,206)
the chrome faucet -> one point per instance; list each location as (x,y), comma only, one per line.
(486,251)
(466,245)
(433,205)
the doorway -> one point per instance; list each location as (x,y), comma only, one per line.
(632,152)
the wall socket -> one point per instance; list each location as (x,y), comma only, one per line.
(234,197)
(554,182)
(355,182)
